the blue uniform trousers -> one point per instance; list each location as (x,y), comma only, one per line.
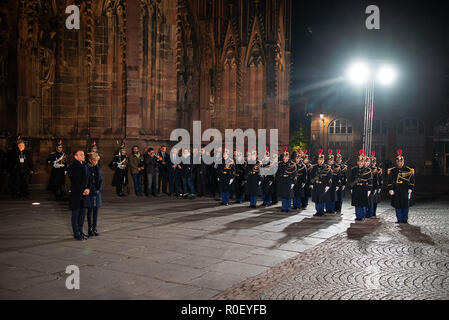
(320,208)
(402,214)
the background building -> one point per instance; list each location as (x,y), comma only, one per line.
(137,69)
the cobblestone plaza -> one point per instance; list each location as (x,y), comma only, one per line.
(195,249)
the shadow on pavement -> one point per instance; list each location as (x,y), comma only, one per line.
(301,229)
(413,233)
(359,229)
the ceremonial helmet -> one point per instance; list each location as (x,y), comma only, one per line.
(19,139)
(122,146)
(286,153)
(238,153)
(320,154)
(339,156)
(399,157)
(60,143)
(254,152)
(373,156)
(305,153)
(361,156)
(267,152)
(330,156)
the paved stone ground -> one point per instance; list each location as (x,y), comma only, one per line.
(160,248)
(373,259)
(169,248)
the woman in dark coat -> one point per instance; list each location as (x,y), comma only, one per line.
(95,187)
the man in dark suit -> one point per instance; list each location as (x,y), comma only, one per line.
(79,191)
(163,169)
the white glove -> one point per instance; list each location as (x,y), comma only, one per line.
(270,183)
(292,186)
(260,182)
(391,192)
(369,192)
(378,190)
(230,181)
(409,191)
(351,191)
(342,188)
(325,189)
(218,179)
(336,188)
(311,186)
(302,185)
(375,191)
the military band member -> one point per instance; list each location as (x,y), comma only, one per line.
(400,184)
(342,182)
(226,175)
(360,183)
(307,187)
(321,180)
(239,180)
(300,183)
(330,205)
(20,168)
(377,185)
(253,178)
(58,162)
(286,175)
(267,179)
(120,163)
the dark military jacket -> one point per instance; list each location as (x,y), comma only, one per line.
(120,163)
(321,177)
(286,175)
(226,172)
(58,162)
(361,182)
(342,181)
(301,179)
(400,180)
(253,177)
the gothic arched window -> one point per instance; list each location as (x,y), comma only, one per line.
(340,126)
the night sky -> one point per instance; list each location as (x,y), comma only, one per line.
(413,36)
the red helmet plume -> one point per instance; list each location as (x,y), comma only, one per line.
(373,154)
(399,152)
(338,151)
(330,151)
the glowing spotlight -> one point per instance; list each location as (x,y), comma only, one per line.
(35,203)
(358,73)
(386,75)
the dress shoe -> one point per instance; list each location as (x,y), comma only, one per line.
(82,235)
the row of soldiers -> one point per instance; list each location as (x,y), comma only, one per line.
(291,179)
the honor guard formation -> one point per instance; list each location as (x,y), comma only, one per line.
(240,176)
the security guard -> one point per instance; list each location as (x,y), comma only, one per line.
(400,184)
(321,180)
(342,182)
(360,183)
(58,162)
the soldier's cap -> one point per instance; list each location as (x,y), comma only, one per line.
(373,156)
(122,146)
(305,153)
(330,156)
(361,156)
(399,156)
(339,156)
(320,154)
(59,144)
(94,143)
(286,153)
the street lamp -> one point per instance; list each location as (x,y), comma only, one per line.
(361,73)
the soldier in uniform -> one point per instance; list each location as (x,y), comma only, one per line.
(360,183)
(253,178)
(58,162)
(120,163)
(202,175)
(308,186)
(226,174)
(335,185)
(342,182)
(239,179)
(274,195)
(320,180)
(286,175)
(267,179)
(377,186)
(20,168)
(400,184)
(300,183)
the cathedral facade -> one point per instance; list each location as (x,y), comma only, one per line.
(137,69)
